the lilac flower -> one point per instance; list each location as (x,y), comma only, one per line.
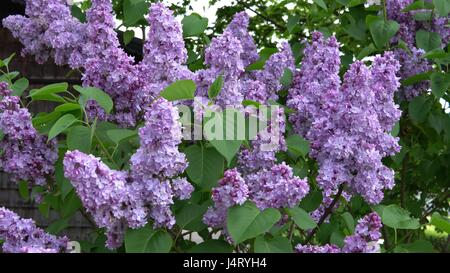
(412,64)
(266,144)
(231,190)
(106,194)
(348,129)
(26,154)
(158,160)
(364,240)
(238,27)
(367,233)
(317,83)
(158,154)
(22,236)
(328,248)
(409,26)
(276,187)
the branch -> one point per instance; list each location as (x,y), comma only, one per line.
(278,25)
(327,212)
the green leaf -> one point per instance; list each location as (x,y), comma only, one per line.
(439,84)
(49,97)
(440,222)
(398,218)
(205,167)
(78,13)
(427,40)
(24,191)
(416,78)
(191,215)
(419,246)
(311,201)
(417,5)
(437,53)
(79,138)
(321,4)
(179,90)
(44,209)
(64,185)
(419,108)
(227,148)
(103,99)
(49,90)
(117,135)
(396,129)
(6,61)
(382,31)
(247,221)
(264,55)
(59,225)
(71,204)
(442,6)
(60,125)
(366,51)
(423,16)
(128,36)
(297,145)
(287,77)
(212,246)
(67,107)
(349,221)
(19,87)
(276,244)
(194,25)
(215,87)
(147,240)
(293,24)
(301,218)
(337,238)
(134,11)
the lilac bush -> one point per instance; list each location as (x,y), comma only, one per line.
(333,110)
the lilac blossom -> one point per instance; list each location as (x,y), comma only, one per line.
(349,126)
(106,194)
(366,235)
(328,248)
(412,64)
(276,187)
(26,154)
(238,27)
(231,190)
(22,236)
(364,240)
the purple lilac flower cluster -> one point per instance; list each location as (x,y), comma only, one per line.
(409,26)
(158,160)
(26,154)
(257,176)
(49,30)
(412,62)
(231,190)
(120,199)
(276,187)
(364,240)
(348,126)
(106,194)
(22,236)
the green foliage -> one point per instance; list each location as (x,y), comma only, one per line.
(179,90)
(247,221)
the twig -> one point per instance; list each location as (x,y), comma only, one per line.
(278,25)
(327,212)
